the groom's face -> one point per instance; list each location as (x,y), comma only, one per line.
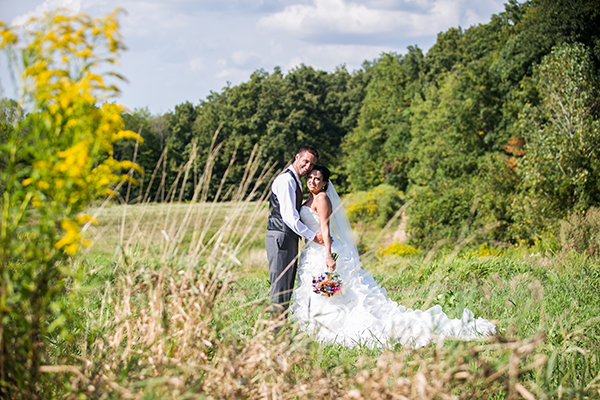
(304,163)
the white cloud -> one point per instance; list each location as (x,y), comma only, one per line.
(196,64)
(326,15)
(149,20)
(333,18)
(277,48)
(47,5)
(329,56)
(293,63)
(242,57)
(234,75)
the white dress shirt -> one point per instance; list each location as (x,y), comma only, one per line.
(284,187)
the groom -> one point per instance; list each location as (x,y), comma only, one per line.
(284,228)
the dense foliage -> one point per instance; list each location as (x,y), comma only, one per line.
(472,131)
(476,132)
(471,115)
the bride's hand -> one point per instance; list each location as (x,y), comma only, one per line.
(319,238)
(331,264)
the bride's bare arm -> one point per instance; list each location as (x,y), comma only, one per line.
(323,206)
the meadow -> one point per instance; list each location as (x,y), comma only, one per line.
(170,301)
(151,319)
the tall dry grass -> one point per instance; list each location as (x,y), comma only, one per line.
(163,330)
(173,314)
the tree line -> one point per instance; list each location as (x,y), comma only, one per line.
(277,112)
(492,132)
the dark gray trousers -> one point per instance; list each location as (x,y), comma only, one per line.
(282,253)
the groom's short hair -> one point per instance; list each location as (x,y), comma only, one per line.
(308,149)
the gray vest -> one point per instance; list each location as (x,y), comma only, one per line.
(275,222)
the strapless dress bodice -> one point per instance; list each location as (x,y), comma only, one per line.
(310,218)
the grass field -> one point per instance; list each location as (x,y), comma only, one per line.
(172,304)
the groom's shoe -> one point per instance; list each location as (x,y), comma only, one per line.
(278,311)
(278,317)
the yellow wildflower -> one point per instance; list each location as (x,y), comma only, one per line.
(43,185)
(398,249)
(82,219)
(71,229)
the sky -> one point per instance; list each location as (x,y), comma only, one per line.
(181,50)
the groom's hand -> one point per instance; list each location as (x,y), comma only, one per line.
(319,238)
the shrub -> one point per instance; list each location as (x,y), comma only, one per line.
(55,161)
(440,213)
(581,231)
(378,205)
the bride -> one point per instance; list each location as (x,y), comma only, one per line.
(361,313)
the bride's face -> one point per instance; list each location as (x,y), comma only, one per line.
(315,181)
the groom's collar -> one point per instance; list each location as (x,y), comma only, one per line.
(296,176)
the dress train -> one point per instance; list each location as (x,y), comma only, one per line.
(361,313)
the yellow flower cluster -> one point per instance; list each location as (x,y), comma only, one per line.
(72,239)
(484,251)
(365,206)
(398,249)
(73,130)
(363,209)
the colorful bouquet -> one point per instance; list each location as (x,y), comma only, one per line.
(328,283)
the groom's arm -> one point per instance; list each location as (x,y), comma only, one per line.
(284,188)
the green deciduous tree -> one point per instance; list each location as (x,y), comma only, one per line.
(560,170)
(376,149)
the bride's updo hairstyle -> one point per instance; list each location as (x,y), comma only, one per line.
(325,173)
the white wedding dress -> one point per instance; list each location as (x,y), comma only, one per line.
(361,313)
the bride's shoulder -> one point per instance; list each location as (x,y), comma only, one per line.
(321,199)
(321,196)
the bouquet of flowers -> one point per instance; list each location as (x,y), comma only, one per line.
(328,283)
